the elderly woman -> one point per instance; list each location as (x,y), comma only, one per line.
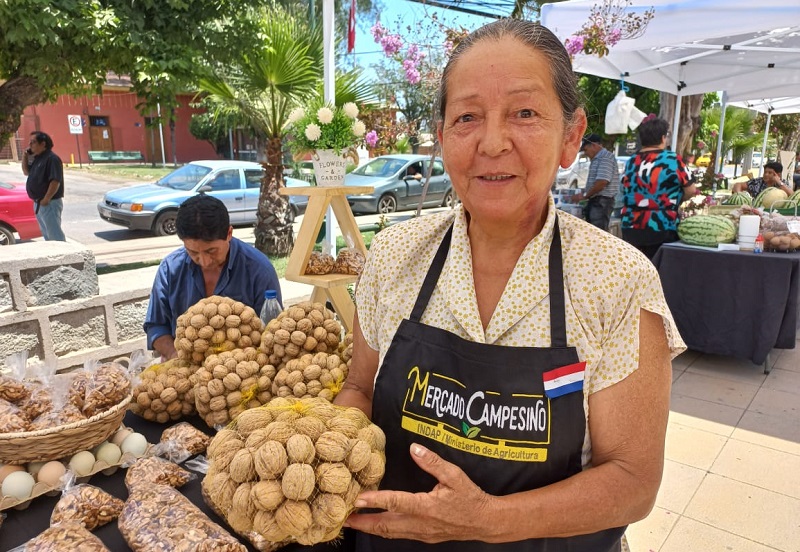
(517,359)
(654,185)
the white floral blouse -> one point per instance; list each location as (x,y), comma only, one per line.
(607,282)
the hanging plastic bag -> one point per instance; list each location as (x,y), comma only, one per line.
(618,113)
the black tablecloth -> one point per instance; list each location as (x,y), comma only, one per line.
(734,303)
(22,525)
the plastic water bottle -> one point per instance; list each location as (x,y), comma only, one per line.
(271,308)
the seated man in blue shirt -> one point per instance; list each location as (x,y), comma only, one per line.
(211,262)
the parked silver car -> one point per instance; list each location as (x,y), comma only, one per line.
(398,181)
(154,206)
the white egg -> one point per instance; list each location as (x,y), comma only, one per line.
(18,485)
(120,436)
(82,463)
(135,443)
(108,453)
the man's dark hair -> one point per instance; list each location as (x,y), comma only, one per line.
(775,166)
(652,131)
(43,138)
(202,217)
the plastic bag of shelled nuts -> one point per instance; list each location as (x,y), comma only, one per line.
(230,382)
(216,324)
(302,328)
(291,470)
(156,517)
(165,391)
(64,537)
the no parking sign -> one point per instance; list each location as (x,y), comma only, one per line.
(75,124)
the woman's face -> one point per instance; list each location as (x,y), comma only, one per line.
(503,135)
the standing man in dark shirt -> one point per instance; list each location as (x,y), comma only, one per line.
(45,184)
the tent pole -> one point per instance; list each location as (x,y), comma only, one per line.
(718,164)
(764,143)
(676,120)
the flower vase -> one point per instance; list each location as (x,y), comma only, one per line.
(329,168)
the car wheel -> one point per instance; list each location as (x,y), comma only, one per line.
(449,200)
(387,204)
(291,214)
(165,224)
(6,236)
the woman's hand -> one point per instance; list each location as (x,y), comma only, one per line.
(455,510)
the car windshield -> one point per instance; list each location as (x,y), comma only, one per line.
(185,178)
(382,166)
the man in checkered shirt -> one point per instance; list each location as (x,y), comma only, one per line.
(602,184)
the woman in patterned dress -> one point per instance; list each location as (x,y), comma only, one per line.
(654,184)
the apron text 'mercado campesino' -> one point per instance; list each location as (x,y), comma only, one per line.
(511,417)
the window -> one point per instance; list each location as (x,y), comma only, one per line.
(438,168)
(253,177)
(226,180)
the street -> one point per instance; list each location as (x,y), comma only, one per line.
(80,219)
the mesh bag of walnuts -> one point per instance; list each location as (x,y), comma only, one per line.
(216,324)
(302,328)
(291,470)
(318,375)
(165,391)
(156,517)
(231,382)
(64,537)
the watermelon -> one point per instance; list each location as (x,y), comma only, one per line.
(795,197)
(768,197)
(739,198)
(707,230)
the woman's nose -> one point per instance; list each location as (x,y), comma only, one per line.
(495,139)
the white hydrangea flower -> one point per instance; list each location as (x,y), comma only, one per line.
(296,114)
(325,115)
(359,128)
(350,109)
(313,132)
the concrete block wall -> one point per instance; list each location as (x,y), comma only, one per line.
(50,306)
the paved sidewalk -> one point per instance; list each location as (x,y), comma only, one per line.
(732,474)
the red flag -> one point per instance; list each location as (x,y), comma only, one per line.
(351,27)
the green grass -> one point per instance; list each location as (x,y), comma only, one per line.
(141,171)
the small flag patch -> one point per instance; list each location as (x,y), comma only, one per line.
(566,379)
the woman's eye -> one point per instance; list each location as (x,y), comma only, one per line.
(526,113)
(466,118)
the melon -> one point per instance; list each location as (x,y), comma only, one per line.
(768,197)
(707,230)
(739,198)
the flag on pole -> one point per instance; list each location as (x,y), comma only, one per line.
(351,28)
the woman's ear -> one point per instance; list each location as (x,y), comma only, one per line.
(573,136)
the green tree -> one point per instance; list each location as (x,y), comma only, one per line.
(737,136)
(784,130)
(54,47)
(260,90)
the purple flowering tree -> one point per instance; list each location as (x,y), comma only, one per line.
(409,73)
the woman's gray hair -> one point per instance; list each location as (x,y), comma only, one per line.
(538,38)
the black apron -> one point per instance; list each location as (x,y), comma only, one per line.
(484,408)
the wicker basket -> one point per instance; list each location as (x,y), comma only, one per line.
(57,442)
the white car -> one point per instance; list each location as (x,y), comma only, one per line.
(756,160)
(574,176)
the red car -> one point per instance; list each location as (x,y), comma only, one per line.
(16,214)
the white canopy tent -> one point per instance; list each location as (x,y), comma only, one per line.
(771,106)
(751,50)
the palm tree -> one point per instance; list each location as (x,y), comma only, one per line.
(261,89)
(737,135)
